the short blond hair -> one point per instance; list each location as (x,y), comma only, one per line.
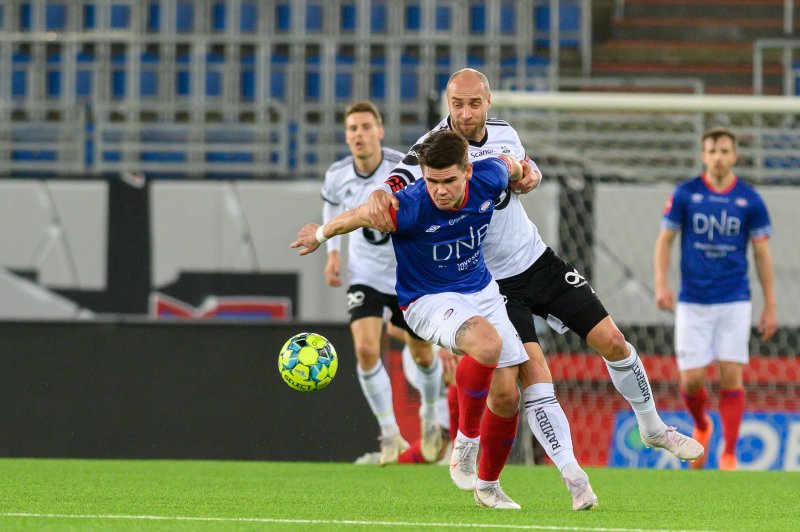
(364,107)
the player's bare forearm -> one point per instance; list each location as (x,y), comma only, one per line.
(768,323)
(665,300)
(310,236)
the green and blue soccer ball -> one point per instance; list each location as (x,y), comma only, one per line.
(307,362)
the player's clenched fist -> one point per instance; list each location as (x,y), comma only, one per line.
(378,210)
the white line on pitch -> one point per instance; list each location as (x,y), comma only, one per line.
(330,522)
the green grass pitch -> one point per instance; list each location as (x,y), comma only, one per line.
(207,495)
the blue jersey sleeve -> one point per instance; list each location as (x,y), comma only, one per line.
(759,222)
(495,172)
(675,211)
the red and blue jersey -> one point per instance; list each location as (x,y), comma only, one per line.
(715,228)
(441,250)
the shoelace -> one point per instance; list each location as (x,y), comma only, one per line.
(498,493)
(463,465)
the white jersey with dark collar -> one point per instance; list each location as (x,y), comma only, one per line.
(513,242)
(371,259)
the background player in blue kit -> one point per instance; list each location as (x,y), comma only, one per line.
(717,215)
(371,276)
(449,296)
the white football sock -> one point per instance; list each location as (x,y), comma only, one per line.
(548,423)
(429,381)
(377,389)
(630,380)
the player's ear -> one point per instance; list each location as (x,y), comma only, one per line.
(468,172)
(381,133)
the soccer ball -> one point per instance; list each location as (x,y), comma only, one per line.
(307,362)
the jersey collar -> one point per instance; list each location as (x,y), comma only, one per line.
(711,188)
(472,143)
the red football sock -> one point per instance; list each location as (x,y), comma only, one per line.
(731,410)
(473,380)
(696,404)
(412,455)
(497,438)
(452,404)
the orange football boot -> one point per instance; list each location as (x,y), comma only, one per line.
(704,437)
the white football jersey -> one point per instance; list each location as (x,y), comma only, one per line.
(371,259)
(513,242)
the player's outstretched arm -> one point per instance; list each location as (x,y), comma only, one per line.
(665,299)
(310,236)
(378,205)
(768,323)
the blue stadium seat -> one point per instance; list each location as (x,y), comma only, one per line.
(25,16)
(442,71)
(409,77)
(214,66)
(88,16)
(184,17)
(42,137)
(413,17)
(313,78)
(53,75)
(148,81)
(247,77)
(283,18)
(83,75)
(444,18)
(278,76)
(150,135)
(477,19)
(248,19)
(569,21)
(118,76)
(55,16)
(349,18)
(343,82)
(120,16)
(314,18)
(183,77)
(153,23)
(797,78)
(378,18)
(218,16)
(377,77)
(19,74)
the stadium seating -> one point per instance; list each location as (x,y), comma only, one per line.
(157,72)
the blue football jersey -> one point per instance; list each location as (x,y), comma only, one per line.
(440,251)
(715,229)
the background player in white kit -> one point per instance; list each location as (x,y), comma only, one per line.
(371,292)
(536,281)
(717,215)
(448,295)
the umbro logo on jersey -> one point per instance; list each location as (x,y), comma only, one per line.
(741,202)
(485,205)
(433,228)
(697,198)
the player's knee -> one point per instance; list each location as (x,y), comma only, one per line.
(611,343)
(367,355)
(504,402)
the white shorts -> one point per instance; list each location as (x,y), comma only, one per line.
(437,317)
(709,333)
